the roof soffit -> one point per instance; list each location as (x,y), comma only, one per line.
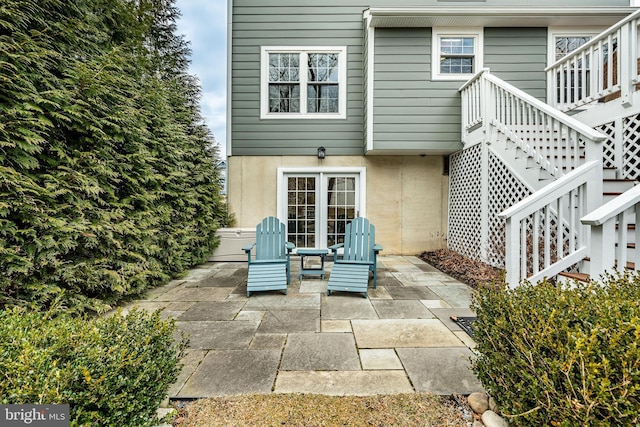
(461,16)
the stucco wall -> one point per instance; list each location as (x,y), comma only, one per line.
(406,195)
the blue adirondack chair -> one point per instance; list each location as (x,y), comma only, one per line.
(271,267)
(351,273)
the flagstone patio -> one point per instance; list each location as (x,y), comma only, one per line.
(398,340)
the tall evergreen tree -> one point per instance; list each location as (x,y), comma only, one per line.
(107,178)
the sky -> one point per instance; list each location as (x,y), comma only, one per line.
(204,25)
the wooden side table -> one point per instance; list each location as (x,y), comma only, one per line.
(315,271)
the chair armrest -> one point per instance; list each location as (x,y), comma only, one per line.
(290,246)
(248,248)
(377,248)
(334,248)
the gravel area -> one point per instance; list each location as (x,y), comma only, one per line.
(416,409)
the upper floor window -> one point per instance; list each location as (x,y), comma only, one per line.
(456,53)
(303,82)
(563,41)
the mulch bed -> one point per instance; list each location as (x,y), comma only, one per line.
(462,268)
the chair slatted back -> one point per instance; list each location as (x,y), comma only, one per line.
(359,239)
(270,240)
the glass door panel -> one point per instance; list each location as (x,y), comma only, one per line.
(319,207)
(341,206)
(301,211)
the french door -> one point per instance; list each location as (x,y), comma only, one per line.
(319,206)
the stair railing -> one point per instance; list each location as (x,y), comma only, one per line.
(610,236)
(602,68)
(543,232)
(556,142)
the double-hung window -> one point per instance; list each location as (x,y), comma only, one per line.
(303,82)
(456,53)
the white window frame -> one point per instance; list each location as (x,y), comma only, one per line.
(478,61)
(322,172)
(303,51)
(554,32)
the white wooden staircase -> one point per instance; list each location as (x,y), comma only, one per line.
(553,184)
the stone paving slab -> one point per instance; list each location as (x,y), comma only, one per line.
(214,310)
(231,372)
(420,278)
(379,359)
(335,326)
(401,309)
(190,363)
(219,334)
(457,295)
(440,370)
(320,352)
(435,303)
(395,333)
(349,306)
(340,383)
(223,278)
(268,342)
(313,286)
(291,301)
(195,294)
(380,292)
(412,292)
(288,321)
(250,315)
(151,306)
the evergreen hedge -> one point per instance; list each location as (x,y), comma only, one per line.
(555,355)
(107,178)
(112,371)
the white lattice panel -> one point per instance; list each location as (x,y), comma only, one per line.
(608,147)
(505,190)
(631,147)
(464,202)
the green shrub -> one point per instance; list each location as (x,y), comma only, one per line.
(112,371)
(562,356)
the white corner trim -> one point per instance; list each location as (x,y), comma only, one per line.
(371,62)
(229,76)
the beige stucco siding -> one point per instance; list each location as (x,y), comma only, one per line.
(406,196)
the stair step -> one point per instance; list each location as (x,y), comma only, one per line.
(581,277)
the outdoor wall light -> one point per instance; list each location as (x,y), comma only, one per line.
(321,152)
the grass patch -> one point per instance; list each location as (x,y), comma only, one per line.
(415,409)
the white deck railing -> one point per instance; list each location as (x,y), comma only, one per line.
(606,65)
(610,236)
(543,233)
(557,142)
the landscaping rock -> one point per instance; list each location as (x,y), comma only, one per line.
(477,424)
(493,405)
(479,402)
(491,419)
